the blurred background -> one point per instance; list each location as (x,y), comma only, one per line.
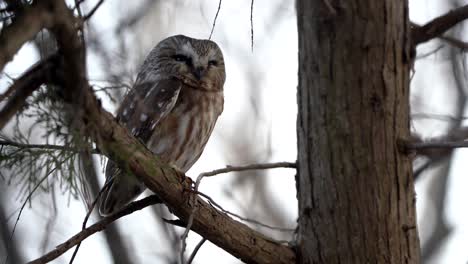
(258,125)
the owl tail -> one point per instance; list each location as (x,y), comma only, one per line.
(120,189)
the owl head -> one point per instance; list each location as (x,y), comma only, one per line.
(198,63)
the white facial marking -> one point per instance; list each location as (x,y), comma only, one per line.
(188,49)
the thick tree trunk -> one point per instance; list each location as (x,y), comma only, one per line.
(355,189)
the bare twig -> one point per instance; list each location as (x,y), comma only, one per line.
(95,8)
(99,226)
(216,17)
(211,201)
(434,51)
(463,46)
(251,25)
(262,166)
(439,25)
(195,250)
(440,145)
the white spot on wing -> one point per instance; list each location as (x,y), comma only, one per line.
(125,112)
(143,117)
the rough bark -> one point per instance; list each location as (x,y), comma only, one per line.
(355,189)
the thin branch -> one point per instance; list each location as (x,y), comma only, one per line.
(221,171)
(216,17)
(438,26)
(260,166)
(99,226)
(418,146)
(195,250)
(252,221)
(463,46)
(95,8)
(184,236)
(428,54)
(251,25)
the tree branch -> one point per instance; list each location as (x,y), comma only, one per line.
(99,226)
(95,8)
(23,87)
(418,146)
(455,42)
(25,27)
(437,147)
(438,26)
(168,183)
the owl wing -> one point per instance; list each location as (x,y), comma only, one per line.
(147,104)
(141,111)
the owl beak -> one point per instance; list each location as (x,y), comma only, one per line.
(199,72)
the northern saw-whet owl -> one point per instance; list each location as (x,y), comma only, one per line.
(172,108)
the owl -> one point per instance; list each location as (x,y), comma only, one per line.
(172,108)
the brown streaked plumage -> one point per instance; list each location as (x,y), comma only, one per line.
(172,108)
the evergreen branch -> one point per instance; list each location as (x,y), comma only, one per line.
(42,146)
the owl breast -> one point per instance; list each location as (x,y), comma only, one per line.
(180,138)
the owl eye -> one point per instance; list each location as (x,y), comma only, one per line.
(213,63)
(180,57)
